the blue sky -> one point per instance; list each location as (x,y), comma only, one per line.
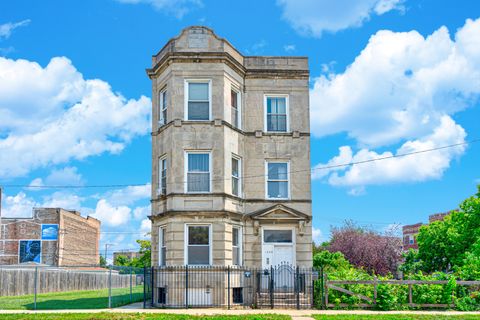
(387,77)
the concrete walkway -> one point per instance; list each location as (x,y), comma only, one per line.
(295,314)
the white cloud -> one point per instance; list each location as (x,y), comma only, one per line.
(401,90)
(413,168)
(316,235)
(7,28)
(18,206)
(289,47)
(128,195)
(65,176)
(177,7)
(358,191)
(313,17)
(62,199)
(112,215)
(146,226)
(141,212)
(63,116)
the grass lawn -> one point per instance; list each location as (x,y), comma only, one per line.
(94,299)
(142,316)
(393,317)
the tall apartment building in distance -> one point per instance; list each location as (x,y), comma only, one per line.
(51,236)
(231,155)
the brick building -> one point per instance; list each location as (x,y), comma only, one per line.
(411,231)
(129,254)
(52,236)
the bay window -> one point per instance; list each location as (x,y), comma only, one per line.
(198,245)
(198,171)
(197,100)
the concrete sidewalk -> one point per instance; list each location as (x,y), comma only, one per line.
(296,314)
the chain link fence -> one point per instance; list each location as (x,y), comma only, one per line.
(82,287)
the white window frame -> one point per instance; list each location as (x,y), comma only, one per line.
(240,245)
(210,243)
(239,159)
(161,107)
(411,239)
(239,105)
(287,110)
(160,169)
(272,227)
(288,181)
(187,81)
(160,240)
(187,152)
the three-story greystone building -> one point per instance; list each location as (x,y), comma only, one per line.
(231,156)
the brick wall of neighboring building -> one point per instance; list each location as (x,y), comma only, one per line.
(49,235)
(129,254)
(80,239)
(410,236)
(410,231)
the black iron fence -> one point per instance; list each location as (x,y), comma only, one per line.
(282,286)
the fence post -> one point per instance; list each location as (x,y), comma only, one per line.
(410,295)
(271,286)
(326,291)
(152,286)
(144,287)
(131,293)
(297,287)
(375,290)
(110,288)
(186,286)
(322,289)
(228,291)
(35,279)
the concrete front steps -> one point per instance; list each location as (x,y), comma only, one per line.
(287,300)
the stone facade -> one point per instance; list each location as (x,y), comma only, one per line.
(52,236)
(197,54)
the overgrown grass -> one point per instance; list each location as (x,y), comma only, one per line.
(135,316)
(394,317)
(92,299)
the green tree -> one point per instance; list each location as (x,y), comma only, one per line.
(145,259)
(122,260)
(449,244)
(412,263)
(102,262)
(330,261)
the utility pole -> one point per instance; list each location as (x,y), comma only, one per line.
(106,249)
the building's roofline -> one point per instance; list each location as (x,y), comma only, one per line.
(184,30)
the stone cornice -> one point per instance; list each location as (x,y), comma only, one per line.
(224,57)
(229,196)
(225,123)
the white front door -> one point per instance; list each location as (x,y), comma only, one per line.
(278,247)
(283,255)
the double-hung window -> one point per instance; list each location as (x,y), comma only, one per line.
(277,180)
(236,246)
(162,246)
(162,176)
(162,107)
(198,172)
(236,183)
(198,245)
(276,118)
(235,107)
(198,104)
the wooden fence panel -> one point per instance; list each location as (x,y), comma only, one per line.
(17,282)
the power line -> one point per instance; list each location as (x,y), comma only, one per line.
(244,177)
